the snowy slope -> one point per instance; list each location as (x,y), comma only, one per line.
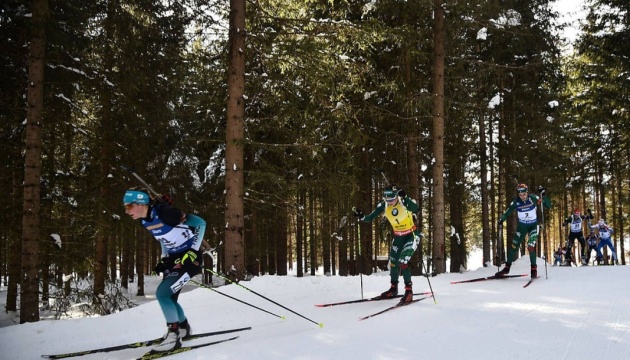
(577,313)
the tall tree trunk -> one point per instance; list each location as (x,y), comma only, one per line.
(342,245)
(105,155)
(234,147)
(502,195)
(326,231)
(483,173)
(140,261)
(439,34)
(364,240)
(29,293)
(126,275)
(299,238)
(281,243)
(457,211)
(311,231)
(14,258)
(413,164)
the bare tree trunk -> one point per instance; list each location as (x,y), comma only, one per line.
(140,262)
(457,211)
(413,168)
(325,233)
(622,247)
(439,34)
(14,245)
(365,238)
(343,245)
(299,238)
(501,188)
(126,272)
(493,201)
(483,173)
(234,147)
(113,257)
(311,231)
(105,143)
(29,293)
(281,243)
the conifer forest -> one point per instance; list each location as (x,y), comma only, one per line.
(273,119)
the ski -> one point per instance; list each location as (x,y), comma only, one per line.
(158,355)
(376,298)
(493,277)
(399,305)
(139,344)
(530,281)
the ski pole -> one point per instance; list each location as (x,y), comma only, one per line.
(358,262)
(542,215)
(264,297)
(426,274)
(233,298)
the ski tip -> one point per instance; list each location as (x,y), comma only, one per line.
(283,317)
(321,325)
(319,305)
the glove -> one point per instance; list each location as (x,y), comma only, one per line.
(189,257)
(358,213)
(161,266)
(541,190)
(402,194)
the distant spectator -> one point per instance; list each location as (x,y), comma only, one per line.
(557,256)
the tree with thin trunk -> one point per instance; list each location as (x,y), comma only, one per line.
(29,294)
(234,151)
(439,34)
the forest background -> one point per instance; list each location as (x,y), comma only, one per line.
(272,119)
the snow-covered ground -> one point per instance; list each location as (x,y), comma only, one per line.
(576,313)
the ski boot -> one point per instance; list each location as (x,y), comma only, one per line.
(534,271)
(171,340)
(504,271)
(392,292)
(408,296)
(185,331)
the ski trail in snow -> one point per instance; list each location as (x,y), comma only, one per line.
(576,330)
(617,328)
(581,333)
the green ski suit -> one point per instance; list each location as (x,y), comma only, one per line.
(527,224)
(406,236)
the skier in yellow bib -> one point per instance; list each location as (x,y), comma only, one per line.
(399,210)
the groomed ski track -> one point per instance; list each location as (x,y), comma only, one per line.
(577,313)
